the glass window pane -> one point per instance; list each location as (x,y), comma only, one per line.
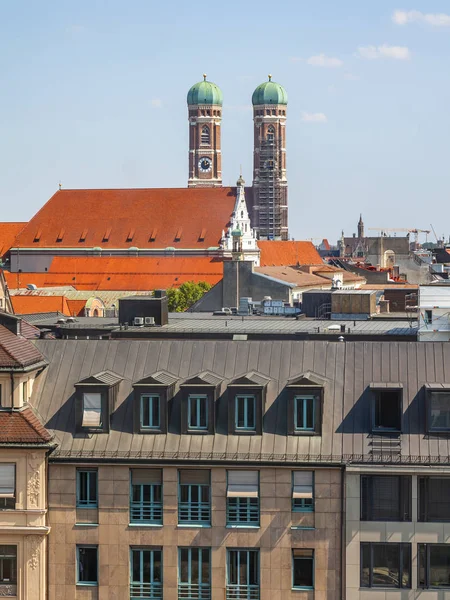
(243,564)
(251,412)
(87,565)
(365,565)
(194,565)
(406,565)
(440,410)
(232,567)
(184,565)
(422,558)
(310,413)
(155,411)
(205,565)
(145,412)
(157,573)
(303,572)
(386,565)
(202,412)
(240,412)
(93,486)
(254,568)
(437,507)
(439,566)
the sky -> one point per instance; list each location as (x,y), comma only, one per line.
(93,95)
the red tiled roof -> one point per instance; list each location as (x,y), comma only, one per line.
(8,233)
(16,351)
(276,254)
(121,218)
(121,273)
(30,305)
(76,307)
(22,427)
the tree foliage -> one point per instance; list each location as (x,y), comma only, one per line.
(182,298)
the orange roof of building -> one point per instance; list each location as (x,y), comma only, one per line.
(276,254)
(30,305)
(121,273)
(123,218)
(76,307)
(8,233)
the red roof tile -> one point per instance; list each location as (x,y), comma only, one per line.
(30,305)
(8,233)
(277,254)
(131,217)
(22,427)
(16,351)
(121,273)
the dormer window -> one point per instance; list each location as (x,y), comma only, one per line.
(199,395)
(387,407)
(95,400)
(438,408)
(305,401)
(92,410)
(151,397)
(246,401)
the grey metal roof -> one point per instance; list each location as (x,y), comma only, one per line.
(204,378)
(159,378)
(252,378)
(103,378)
(347,368)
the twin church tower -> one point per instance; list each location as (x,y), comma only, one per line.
(268,195)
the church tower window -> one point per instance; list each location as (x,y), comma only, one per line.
(270,134)
(205,137)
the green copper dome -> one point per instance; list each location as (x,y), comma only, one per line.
(205,92)
(269,92)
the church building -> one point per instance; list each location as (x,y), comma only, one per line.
(127,238)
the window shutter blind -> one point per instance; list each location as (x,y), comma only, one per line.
(200,477)
(7,480)
(145,476)
(242,484)
(92,410)
(302,484)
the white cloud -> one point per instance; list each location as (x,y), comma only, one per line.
(384,51)
(321,60)
(403,17)
(157,102)
(308,117)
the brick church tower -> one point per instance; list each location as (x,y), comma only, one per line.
(204,101)
(270,211)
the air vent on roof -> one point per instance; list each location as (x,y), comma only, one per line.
(97,249)
(83,235)
(138,321)
(107,234)
(60,236)
(153,235)
(31,286)
(37,237)
(130,235)
(201,237)
(70,320)
(61,320)
(178,234)
(149,321)
(133,249)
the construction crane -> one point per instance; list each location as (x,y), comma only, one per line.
(414,230)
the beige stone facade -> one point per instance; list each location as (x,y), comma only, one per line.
(25,527)
(275,539)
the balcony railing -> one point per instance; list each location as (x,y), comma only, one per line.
(145,591)
(146,512)
(194,512)
(194,591)
(243,511)
(242,592)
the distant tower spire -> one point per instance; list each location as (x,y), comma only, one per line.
(360,227)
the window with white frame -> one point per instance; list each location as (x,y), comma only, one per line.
(92,410)
(7,485)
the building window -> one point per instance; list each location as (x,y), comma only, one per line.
(387,410)
(385,565)
(385,498)
(428,317)
(245,413)
(194,574)
(87,565)
(194,504)
(242,574)
(243,498)
(205,137)
(7,485)
(434,565)
(150,411)
(303,569)
(197,412)
(304,413)
(146,573)
(270,134)
(1,396)
(87,494)
(92,410)
(434,494)
(24,391)
(8,565)
(438,411)
(302,491)
(146,496)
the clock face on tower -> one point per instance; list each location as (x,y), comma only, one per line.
(204,164)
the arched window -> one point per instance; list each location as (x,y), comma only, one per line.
(205,137)
(270,134)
